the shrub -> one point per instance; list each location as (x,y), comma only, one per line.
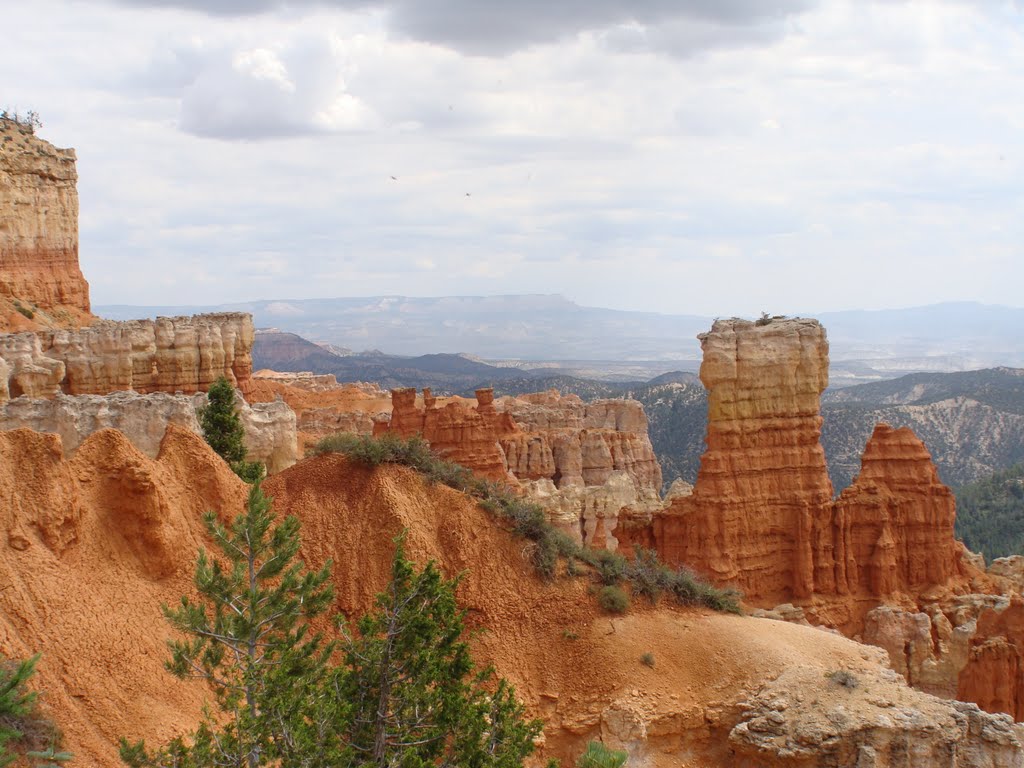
(26,311)
(613,600)
(250,471)
(843,677)
(646,574)
(21,722)
(29,120)
(599,756)
(647,660)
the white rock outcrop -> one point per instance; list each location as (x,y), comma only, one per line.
(270,428)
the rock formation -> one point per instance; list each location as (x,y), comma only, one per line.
(889,725)
(323,406)
(270,428)
(584,462)
(169,354)
(39,269)
(465,435)
(894,525)
(761,514)
(577,443)
(92,546)
(763,486)
(970,647)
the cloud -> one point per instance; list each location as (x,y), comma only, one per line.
(498,27)
(265,92)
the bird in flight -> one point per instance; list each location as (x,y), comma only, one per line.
(394,178)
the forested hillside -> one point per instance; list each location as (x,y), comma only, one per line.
(990,514)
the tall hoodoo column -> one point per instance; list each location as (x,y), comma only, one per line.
(763,480)
(39,225)
(762,517)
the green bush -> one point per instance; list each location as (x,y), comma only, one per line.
(844,678)
(613,600)
(647,659)
(21,723)
(26,311)
(599,756)
(647,575)
(250,471)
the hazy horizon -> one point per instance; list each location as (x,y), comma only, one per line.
(679,157)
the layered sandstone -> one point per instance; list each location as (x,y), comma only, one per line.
(584,462)
(270,428)
(323,406)
(763,487)
(761,516)
(39,270)
(893,528)
(572,442)
(169,354)
(463,434)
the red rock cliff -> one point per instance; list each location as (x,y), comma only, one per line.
(459,432)
(761,515)
(39,269)
(893,528)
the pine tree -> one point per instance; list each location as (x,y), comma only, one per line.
(248,636)
(19,714)
(16,702)
(223,431)
(222,428)
(413,698)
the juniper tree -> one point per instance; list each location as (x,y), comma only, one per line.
(223,431)
(413,697)
(248,635)
(222,428)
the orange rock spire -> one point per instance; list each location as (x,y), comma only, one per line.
(762,517)
(39,229)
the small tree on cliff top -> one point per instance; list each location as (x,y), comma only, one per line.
(222,428)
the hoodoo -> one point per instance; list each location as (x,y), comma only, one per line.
(38,232)
(761,516)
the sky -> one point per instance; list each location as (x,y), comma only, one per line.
(708,157)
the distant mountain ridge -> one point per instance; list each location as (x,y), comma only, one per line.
(971,422)
(865,345)
(281,351)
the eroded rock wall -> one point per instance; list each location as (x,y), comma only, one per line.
(39,228)
(763,488)
(270,428)
(169,354)
(584,462)
(466,435)
(893,528)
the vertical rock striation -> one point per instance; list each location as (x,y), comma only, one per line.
(761,516)
(169,354)
(894,525)
(458,432)
(39,227)
(270,428)
(583,462)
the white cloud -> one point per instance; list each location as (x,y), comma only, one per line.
(815,156)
